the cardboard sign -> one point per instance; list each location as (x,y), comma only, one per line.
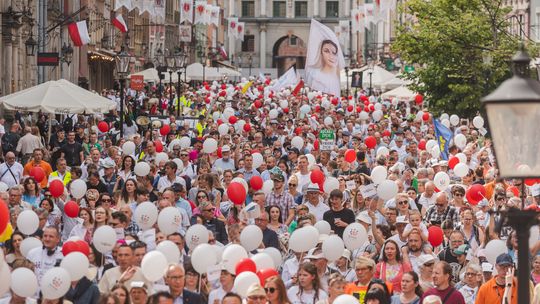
(368,190)
(351,184)
(327,140)
(137,82)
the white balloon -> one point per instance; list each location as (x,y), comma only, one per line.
(76,264)
(534,236)
(170,251)
(154,265)
(284,103)
(378,174)
(28,244)
(304,239)
(196,234)
(462,157)
(218,251)
(128,148)
(104,239)
(345,299)
(210,145)
(28,222)
(227,113)
(325,103)
(5,277)
(275,254)
(461,170)
(231,255)
(419,115)
(330,183)
(454,120)
(445,122)
(268,186)
(251,237)
(216,115)
(354,236)
(444,116)
(23,282)
(297,142)
(363,115)
(173,143)
(435,152)
(377,115)
(460,141)
(243,281)
(203,257)
(185,142)
(305,109)
(493,249)
(145,215)
(311,159)
(179,164)
(323,227)
(78,188)
(377,106)
(273,114)
(223,129)
(241,181)
(258,160)
(333,248)
(478,122)
(430,144)
(263,261)
(441,180)
(387,189)
(328,121)
(3,187)
(240,126)
(161,157)
(383,151)
(142,169)
(169,220)
(55,283)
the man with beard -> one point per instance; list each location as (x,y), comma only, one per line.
(225,162)
(415,249)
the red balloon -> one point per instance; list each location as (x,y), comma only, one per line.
(370,142)
(233,119)
(364,98)
(165,130)
(56,187)
(159,146)
(265,274)
(350,108)
(419,99)
(298,130)
(245,264)
(37,173)
(316,144)
(317,176)
(358,109)
(83,247)
(223,93)
(422,144)
(256,183)
(236,193)
(69,247)
(435,236)
(207,87)
(4,216)
(317,108)
(103,126)
(207,100)
(257,104)
(514,190)
(219,122)
(286,110)
(71,209)
(223,86)
(452,162)
(219,153)
(425,117)
(476,193)
(335,101)
(386,133)
(530,182)
(247,127)
(350,155)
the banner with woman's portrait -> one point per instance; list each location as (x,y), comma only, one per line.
(324,60)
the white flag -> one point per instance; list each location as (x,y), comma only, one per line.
(240,29)
(137,4)
(186,11)
(287,79)
(368,14)
(159,10)
(200,12)
(233,23)
(357,18)
(125,3)
(214,15)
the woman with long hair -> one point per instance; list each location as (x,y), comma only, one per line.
(276,293)
(53,219)
(535,273)
(308,290)
(276,222)
(336,287)
(84,230)
(474,235)
(292,186)
(128,193)
(101,217)
(393,265)
(358,203)
(323,74)
(14,247)
(126,169)
(193,279)
(106,201)
(202,196)
(31,194)
(411,292)
(122,293)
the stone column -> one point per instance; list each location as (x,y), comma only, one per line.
(315,8)
(263,8)
(262,46)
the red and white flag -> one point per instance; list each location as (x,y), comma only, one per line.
(186,11)
(223,52)
(240,29)
(357,18)
(214,15)
(119,23)
(233,23)
(78,31)
(200,12)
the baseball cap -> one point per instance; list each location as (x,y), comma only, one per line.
(504,259)
(487,267)
(364,217)
(346,133)
(225,148)
(294,150)
(425,259)
(108,163)
(402,219)
(138,284)
(461,249)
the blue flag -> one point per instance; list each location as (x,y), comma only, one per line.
(444,135)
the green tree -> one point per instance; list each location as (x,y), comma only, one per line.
(461,49)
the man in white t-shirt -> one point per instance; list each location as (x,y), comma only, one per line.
(303,175)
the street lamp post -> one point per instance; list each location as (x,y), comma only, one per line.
(250,61)
(160,61)
(122,68)
(171,64)
(347,79)
(180,58)
(371,65)
(514,108)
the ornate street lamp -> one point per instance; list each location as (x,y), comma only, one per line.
(347,78)
(171,65)
(513,110)
(160,62)
(371,68)
(181,60)
(250,61)
(122,67)
(30,45)
(67,53)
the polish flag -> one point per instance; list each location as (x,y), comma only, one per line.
(120,24)
(223,52)
(78,31)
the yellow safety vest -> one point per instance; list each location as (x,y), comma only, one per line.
(67,177)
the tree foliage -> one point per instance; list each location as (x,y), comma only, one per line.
(449,42)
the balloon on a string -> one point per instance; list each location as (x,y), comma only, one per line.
(493,249)
(55,283)
(323,227)
(445,122)
(236,193)
(378,174)
(203,257)
(210,145)
(104,239)
(462,157)
(478,122)
(27,222)
(333,247)
(78,188)
(231,255)
(330,183)
(387,189)
(454,120)
(461,170)
(441,180)
(76,265)
(263,261)
(169,220)
(145,215)
(23,282)
(56,187)
(142,169)
(185,142)
(28,244)
(297,142)
(460,141)
(170,250)
(258,160)
(196,234)
(354,236)
(154,265)
(251,237)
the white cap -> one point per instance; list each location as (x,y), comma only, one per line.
(313,188)
(364,217)
(225,148)
(487,267)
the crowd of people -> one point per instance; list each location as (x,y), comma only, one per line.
(381,213)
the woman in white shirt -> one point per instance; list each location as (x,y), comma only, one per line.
(308,290)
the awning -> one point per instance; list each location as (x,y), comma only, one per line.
(227,65)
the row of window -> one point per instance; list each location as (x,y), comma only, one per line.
(279,9)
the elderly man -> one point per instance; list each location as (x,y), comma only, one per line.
(11,171)
(441,211)
(314,202)
(61,171)
(15,198)
(211,222)
(48,256)
(270,237)
(303,174)
(175,278)
(427,199)
(225,162)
